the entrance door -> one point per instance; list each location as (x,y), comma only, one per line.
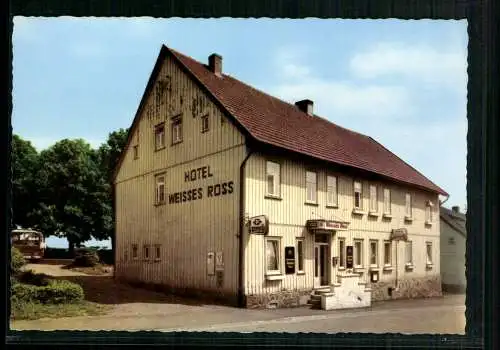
(321,259)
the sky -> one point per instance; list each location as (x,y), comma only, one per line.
(404,83)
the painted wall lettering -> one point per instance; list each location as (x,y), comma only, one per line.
(220,189)
(198,174)
(185,196)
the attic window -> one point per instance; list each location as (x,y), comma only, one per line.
(136,151)
(451,241)
(177,130)
(204,123)
(160,136)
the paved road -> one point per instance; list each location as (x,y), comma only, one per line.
(136,309)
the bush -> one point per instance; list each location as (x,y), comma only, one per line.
(37,279)
(106,256)
(56,292)
(17,261)
(57,253)
(86,258)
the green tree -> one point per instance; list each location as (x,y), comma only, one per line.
(24,167)
(73,193)
(108,154)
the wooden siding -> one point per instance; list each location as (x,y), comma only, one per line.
(185,231)
(287,217)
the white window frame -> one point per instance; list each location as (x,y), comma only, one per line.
(159,187)
(176,130)
(429,217)
(388,262)
(311,186)
(300,258)
(273,170)
(409,257)
(373,199)
(358,189)
(279,256)
(429,259)
(387,201)
(341,253)
(358,252)
(146,248)
(205,123)
(332,191)
(373,264)
(157,252)
(160,136)
(408,205)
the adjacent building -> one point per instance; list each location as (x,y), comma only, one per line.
(453,243)
(227,191)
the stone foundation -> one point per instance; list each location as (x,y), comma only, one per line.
(283,299)
(218,297)
(409,288)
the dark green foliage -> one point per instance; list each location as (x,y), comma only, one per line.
(58,253)
(106,256)
(17,261)
(86,258)
(56,292)
(36,279)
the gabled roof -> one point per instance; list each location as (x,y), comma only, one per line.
(456,220)
(272,121)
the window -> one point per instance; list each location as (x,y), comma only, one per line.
(357,195)
(373,199)
(273,178)
(331,191)
(273,263)
(451,241)
(160,189)
(134,251)
(408,205)
(136,151)
(300,255)
(387,253)
(160,136)
(373,253)
(177,130)
(204,123)
(146,252)
(428,246)
(358,253)
(409,253)
(157,252)
(311,187)
(342,252)
(387,201)
(428,212)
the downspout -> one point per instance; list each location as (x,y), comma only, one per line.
(447,197)
(396,287)
(241,261)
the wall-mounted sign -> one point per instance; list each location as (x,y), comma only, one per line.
(259,225)
(219,262)
(326,225)
(349,257)
(211,263)
(289,260)
(399,234)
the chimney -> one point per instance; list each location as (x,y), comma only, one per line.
(215,64)
(455,209)
(305,106)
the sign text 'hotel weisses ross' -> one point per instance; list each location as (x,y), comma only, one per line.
(213,190)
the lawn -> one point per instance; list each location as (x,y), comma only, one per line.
(34,311)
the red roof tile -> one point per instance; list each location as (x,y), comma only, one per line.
(273,121)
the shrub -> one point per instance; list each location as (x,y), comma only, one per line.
(57,253)
(106,256)
(17,261)
(86,258)
(60,291)
(56,292)
(37,279)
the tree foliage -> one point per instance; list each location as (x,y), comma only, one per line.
(66,190)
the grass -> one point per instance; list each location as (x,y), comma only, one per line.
(34,311)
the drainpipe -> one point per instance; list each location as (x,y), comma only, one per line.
(396,287)
(241,261)
(447,197)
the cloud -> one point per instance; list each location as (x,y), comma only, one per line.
(417,62)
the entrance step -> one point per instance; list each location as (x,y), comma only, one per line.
(323,290)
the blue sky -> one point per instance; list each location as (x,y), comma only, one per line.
(404,83)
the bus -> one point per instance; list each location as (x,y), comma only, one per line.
(29,242)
